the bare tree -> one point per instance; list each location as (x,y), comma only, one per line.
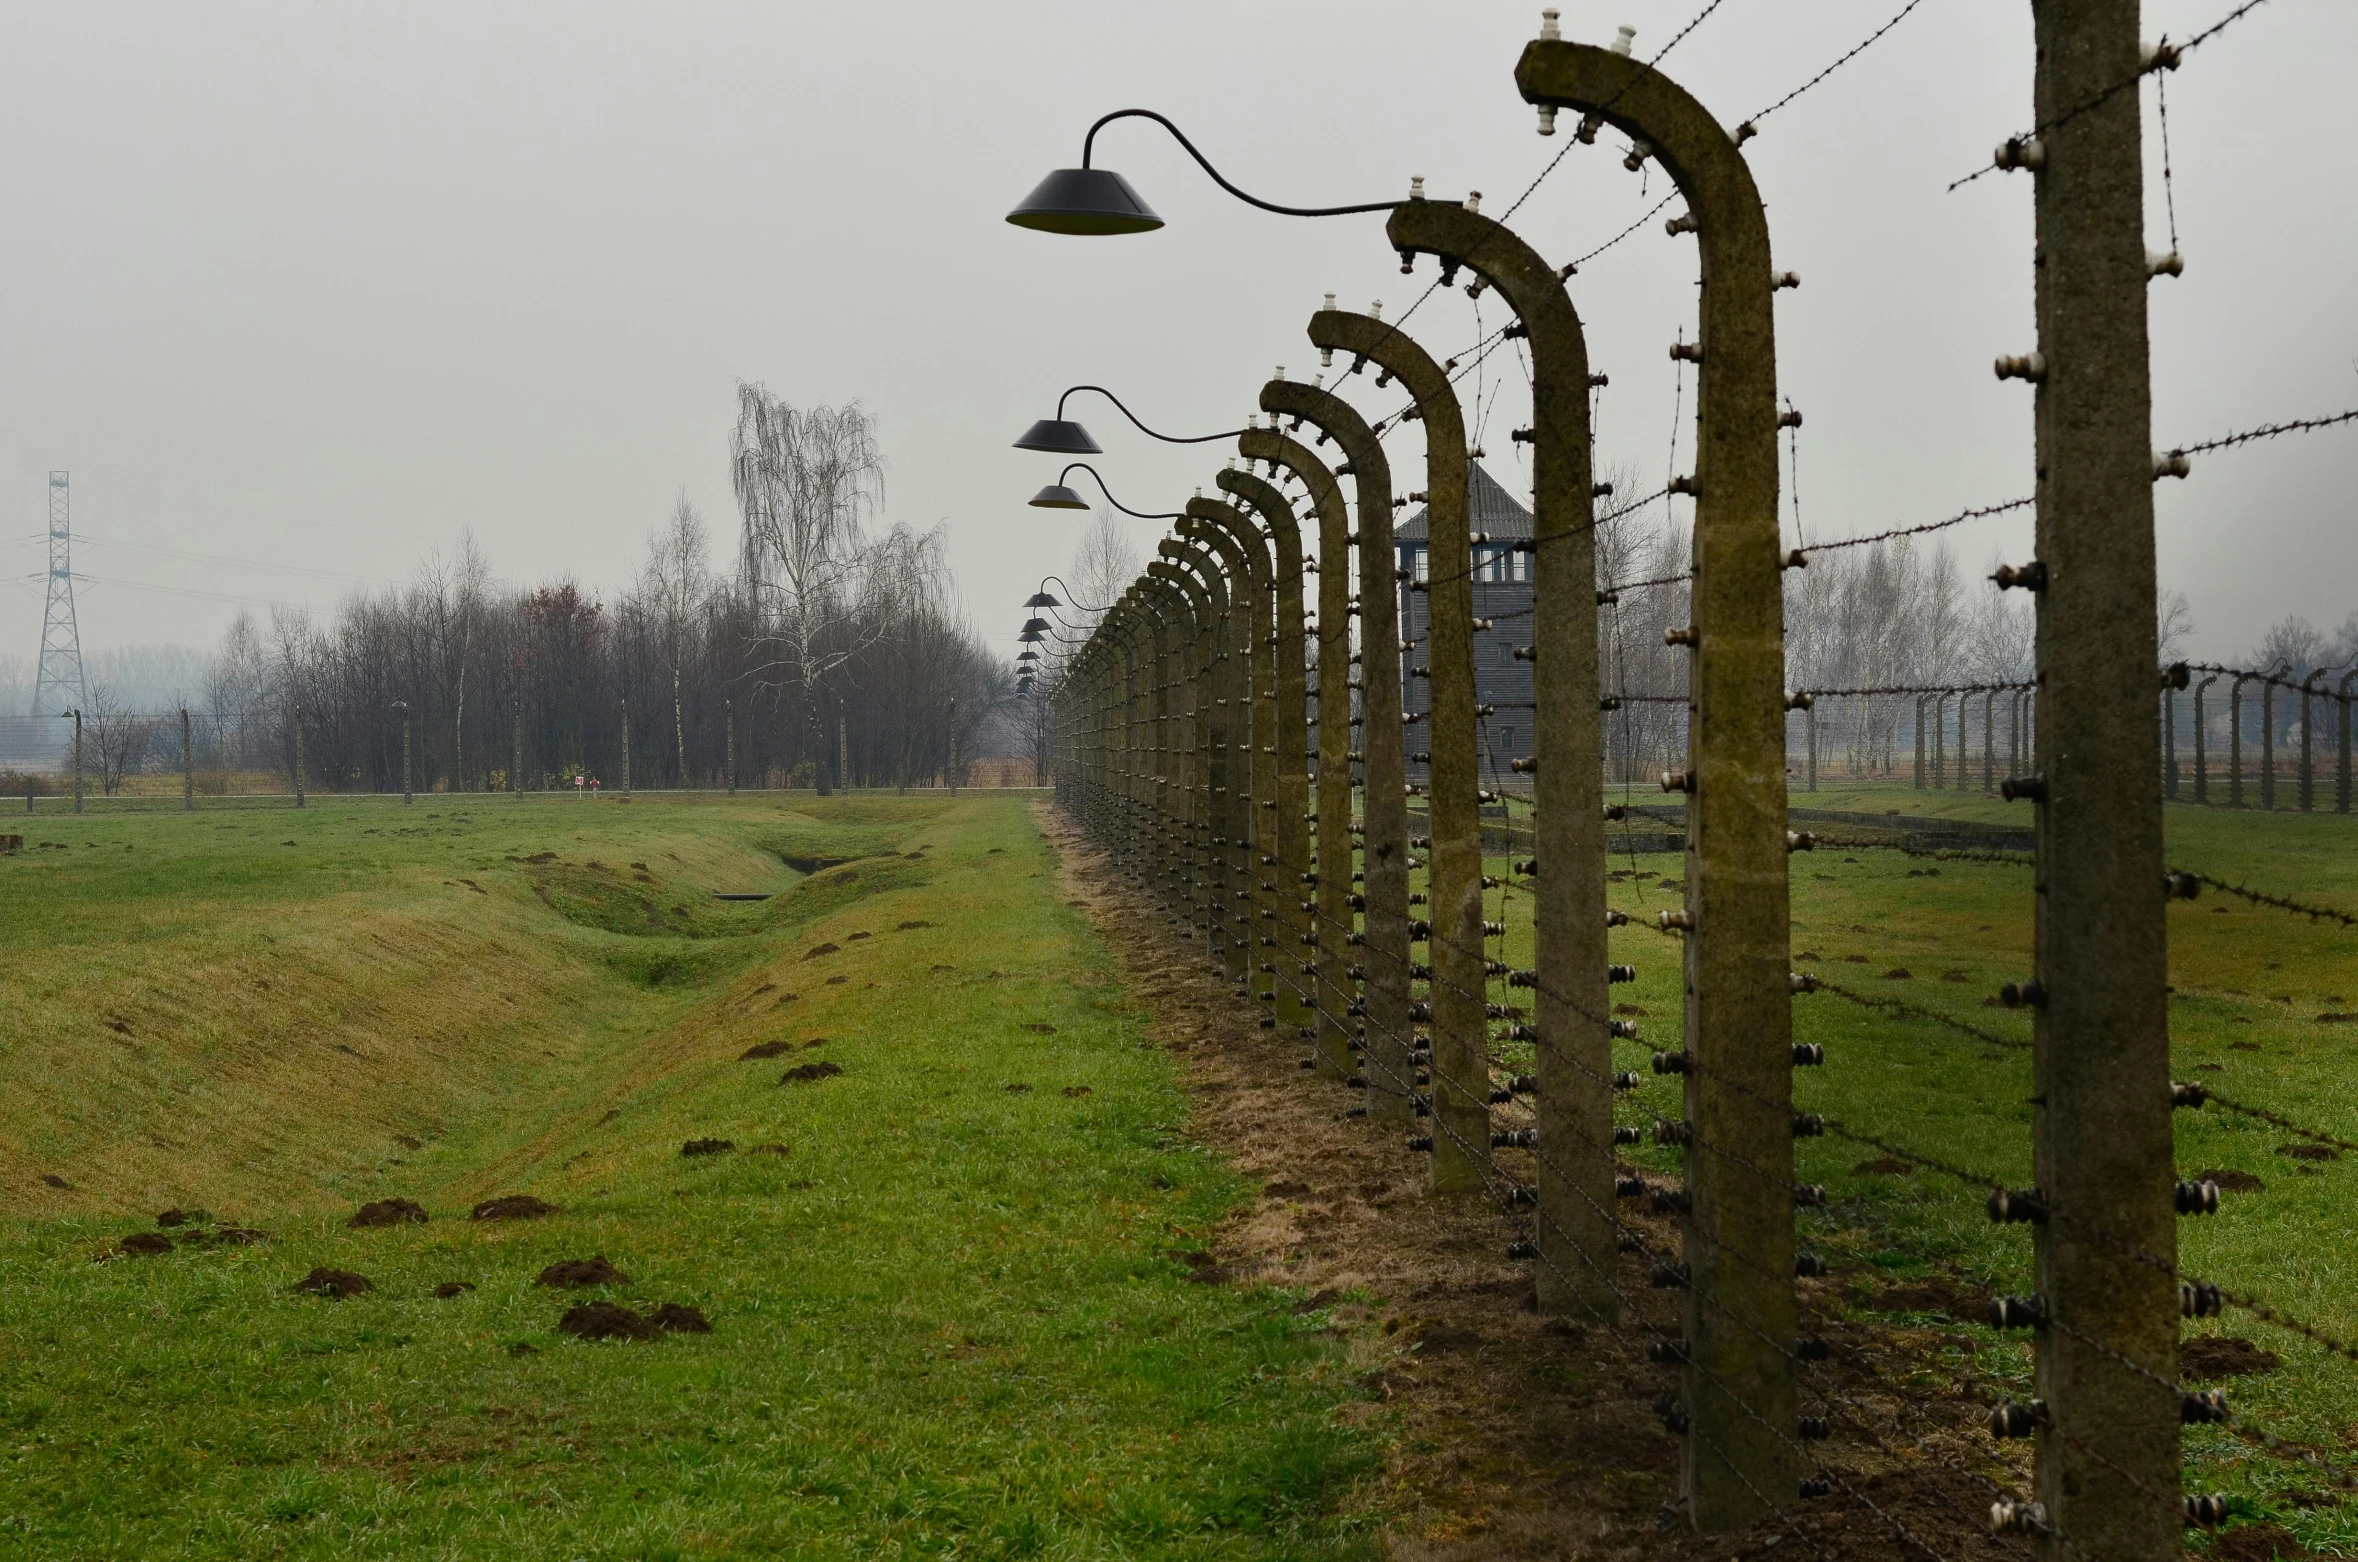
(806,482)
(676,584)
(1104,564)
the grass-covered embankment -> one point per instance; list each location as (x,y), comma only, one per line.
(944,1318)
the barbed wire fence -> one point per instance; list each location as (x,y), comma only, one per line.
(1525,1087)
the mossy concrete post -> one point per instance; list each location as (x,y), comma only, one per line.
(1578,1244)
(2308,749)
(187,766)
(1385,1029)
(1741,1452)
(296,721)
(2341,786)
(1287,749)
(1237,835)
(1193,695)
(1251,571)
(729,748)
(1330,896)
(1215,737)
(1174,641)
(1460,1091)
(1187,568)
(626,748)
(2102,1140)
(2268,744)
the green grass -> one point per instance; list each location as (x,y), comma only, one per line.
(944,1318)
(2249,986)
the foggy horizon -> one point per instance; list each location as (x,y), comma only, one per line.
(301,298)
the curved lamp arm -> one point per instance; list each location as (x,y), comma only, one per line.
(1089,143)
(1068,590)
(1168,439)
(1144,515)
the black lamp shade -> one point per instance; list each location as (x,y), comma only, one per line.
(1027,656)
(1031,634)
(1043,599)
(1087,201)
(1056,497)
(1059,438)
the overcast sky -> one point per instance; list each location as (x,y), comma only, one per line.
(324,287)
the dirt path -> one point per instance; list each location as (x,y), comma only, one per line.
(1509,1434)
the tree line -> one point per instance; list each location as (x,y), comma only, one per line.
(834,653)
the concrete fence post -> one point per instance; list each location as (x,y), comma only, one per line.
(2202,767)
(2102,1140)
(1384,1030)
(301,768)
(1578,1245)
(1287,749)
(187,766)
(77,761)
(1741,1456)
(2341,792)
(1332,993)
(1459,1096)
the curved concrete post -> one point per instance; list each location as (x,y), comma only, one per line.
(1259,626)
(1741,1455)
(1460,1092)
(1578,1243)
(1288,650)
(2341,793)
(1174,640)
(1234,696)
(2235,740)
(1332,990)
(2308,748)
(1386,1029)
(1193,675)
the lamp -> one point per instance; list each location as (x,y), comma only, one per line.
(1092,202)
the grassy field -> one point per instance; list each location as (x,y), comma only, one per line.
(2261,1011)
(945,1318)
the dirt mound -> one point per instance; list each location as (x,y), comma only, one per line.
(388,1212)
(2309,1152)
(1019,1090)
(1077,1090)
(2223,1356)
(335,1284)
(183,1217)
(823,949)
(582,1271)
(223,1236)
(606,1321)
(765,1049)
(804,1072)
(55,1181)
(1285,1190)
(708,1146)
(909,927)
(450,1288)
(145,1244)
(855,937)
(1898,973)
(512,1206)
(1040,1027)
(2258,1542)
(679,1318)
(2231,1181)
